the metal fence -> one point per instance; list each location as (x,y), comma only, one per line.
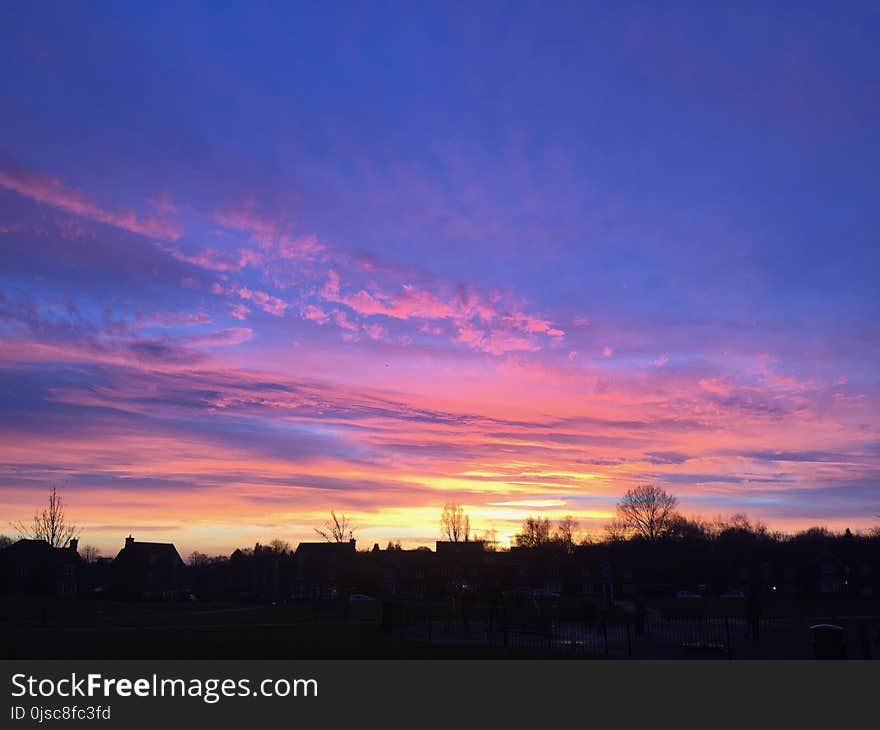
(656,637)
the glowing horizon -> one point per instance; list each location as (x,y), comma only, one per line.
(261,281)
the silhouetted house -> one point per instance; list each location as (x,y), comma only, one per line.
(592,574)
(147,571)
(35,568)
(470,550)
(403,574)
(538,571)
(241,577)
(462,564)
(323,570)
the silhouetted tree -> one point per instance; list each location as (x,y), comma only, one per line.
(336,529)
(197,559)
(49,523)
(535,532)
(617,530)
(5,541)
(280,546)
(740,527)
(813,534)
(565,531)
(489,538)
(683,528)
(394,545)
(89,553)
(455,524)
(647,510)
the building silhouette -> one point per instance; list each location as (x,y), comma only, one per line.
(35,568)
(147,571)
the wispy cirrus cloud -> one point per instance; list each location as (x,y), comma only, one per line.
(269,233)
(212,259)
(487,324)
(51,191)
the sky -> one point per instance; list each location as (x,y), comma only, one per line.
(260,261)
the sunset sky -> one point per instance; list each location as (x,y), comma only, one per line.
(265,261)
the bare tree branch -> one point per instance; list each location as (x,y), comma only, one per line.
(49,524)
(647,511)
(536,531)
(336,529)
(455,523)
(565,532)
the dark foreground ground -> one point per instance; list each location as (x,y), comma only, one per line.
(58,628)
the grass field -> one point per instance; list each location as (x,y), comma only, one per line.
(70,628)
(118,630)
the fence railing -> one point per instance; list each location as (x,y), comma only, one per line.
(655,636)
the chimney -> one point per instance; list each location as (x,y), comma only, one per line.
(129,540)
(73,544)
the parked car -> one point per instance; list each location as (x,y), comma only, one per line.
(733,594)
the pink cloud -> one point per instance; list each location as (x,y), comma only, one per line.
(495,334)
(240,311)
(303,248)
(269,303)
(718,386)
(331,288)
(494,342)
(469,306)
(261,230)
(267,233)
(50,191)
(248,257)
(342,320)
(470,336)
(315,314)
(412,302)
(534,325)
(209,258)
(375,331)
(499,343)
(607,351)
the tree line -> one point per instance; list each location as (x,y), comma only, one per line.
(645,513)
